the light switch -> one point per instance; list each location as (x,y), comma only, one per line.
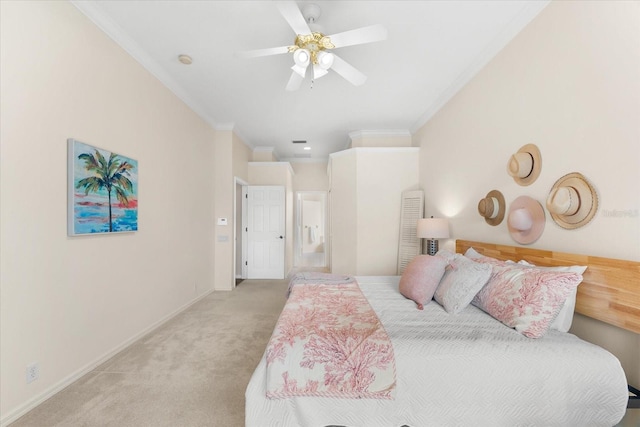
(222,221)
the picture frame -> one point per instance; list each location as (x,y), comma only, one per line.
(102,191)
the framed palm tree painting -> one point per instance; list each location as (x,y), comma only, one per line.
(102,191)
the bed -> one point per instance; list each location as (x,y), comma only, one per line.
(462,369)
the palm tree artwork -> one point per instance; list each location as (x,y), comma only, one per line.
(104,191)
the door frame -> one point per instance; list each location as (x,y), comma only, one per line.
(240,217)
(298,232)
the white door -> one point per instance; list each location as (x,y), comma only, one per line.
(265,232)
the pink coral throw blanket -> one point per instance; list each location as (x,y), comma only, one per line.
(329,342)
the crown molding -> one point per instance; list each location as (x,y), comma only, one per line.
(381,133)
(225,126)
(517,24)
(375,150)
(306,159)
(96,15)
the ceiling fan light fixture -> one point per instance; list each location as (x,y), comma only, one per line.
(318,71)
(311,45)
(301,71)
(301,57)
(325,59)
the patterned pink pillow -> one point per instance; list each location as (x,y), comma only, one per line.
(421,278)
(526,299)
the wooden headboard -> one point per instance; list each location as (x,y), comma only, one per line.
(610,290)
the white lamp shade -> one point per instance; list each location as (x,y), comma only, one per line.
(325,60)
(433,228)
(301,71)
(318,71)
(301,58)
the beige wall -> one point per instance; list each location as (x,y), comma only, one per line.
(69,302)
(382,176)
(568,83)
(310,176)
(366,190)
(241,158)
(223,164)
(263,154)
(343,207)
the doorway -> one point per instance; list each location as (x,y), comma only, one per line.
(265,231)
(239,234)
(311,245)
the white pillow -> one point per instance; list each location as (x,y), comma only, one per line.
(563,320)
(475,255)
(448,255)
(462,280)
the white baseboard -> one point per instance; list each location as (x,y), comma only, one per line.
(65,382)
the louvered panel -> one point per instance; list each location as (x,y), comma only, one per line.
(411,209)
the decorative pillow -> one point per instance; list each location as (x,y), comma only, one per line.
(461,282)
(476,256)
(563,320)
(472,253)
(448,255)
(421,277)
(527,299)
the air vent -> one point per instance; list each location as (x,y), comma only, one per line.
(299,141)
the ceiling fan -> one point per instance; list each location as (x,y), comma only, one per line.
(314,48)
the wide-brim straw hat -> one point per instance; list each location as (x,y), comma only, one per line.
(492,207)
(525,165)
(572,201)
(525,220)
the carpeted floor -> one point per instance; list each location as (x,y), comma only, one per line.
(191,371)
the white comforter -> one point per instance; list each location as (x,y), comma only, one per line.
(464,370)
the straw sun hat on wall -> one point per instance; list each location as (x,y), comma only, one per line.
(525,166)
(525,220)
(572,201)
(492,207)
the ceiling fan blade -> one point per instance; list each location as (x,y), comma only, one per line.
(372,33)
(294,82)
(291,12)
(347,71)
(263,52)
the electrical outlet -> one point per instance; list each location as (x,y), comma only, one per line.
(33,372)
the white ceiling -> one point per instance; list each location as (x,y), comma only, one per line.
(432,50)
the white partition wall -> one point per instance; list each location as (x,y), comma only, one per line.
(366,191)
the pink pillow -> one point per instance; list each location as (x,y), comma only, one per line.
(421,278)
(526,299)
